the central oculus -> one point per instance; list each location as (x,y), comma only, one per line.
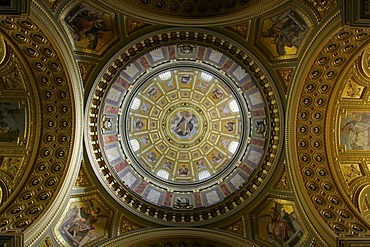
(184,124)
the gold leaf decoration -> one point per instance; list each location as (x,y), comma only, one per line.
(46,243)
(236,227)
(285,76)
(86,69)
(352,90)
(364,202)
(132,25)
(52,4)
(323,6)
(83,179)
(128,226)
(351,172)
(241,29)
(3,50)
(283,182)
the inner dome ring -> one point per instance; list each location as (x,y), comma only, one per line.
(191,149)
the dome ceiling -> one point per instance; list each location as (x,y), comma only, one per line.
(181,127)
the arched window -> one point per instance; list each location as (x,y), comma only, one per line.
(165,75)
(205,76)
(163,174)
(135,104)
(234,106)
(204,174)
(233,146)
(135,144)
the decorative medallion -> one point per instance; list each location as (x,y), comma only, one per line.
(364,202)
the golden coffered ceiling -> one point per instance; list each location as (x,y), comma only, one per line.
(141,123)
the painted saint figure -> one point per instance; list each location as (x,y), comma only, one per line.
(80,224)
(355,131)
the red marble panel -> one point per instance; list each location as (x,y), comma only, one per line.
(225,189)
(227,65)
(201,53)
(248,170)
(122,82)
(112,138)
(120,166)
(257,142)
(168,199)
(111,109)
(197,200)
(171,52)
(145,63)
(258,113)
(247,86)
(141,187)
